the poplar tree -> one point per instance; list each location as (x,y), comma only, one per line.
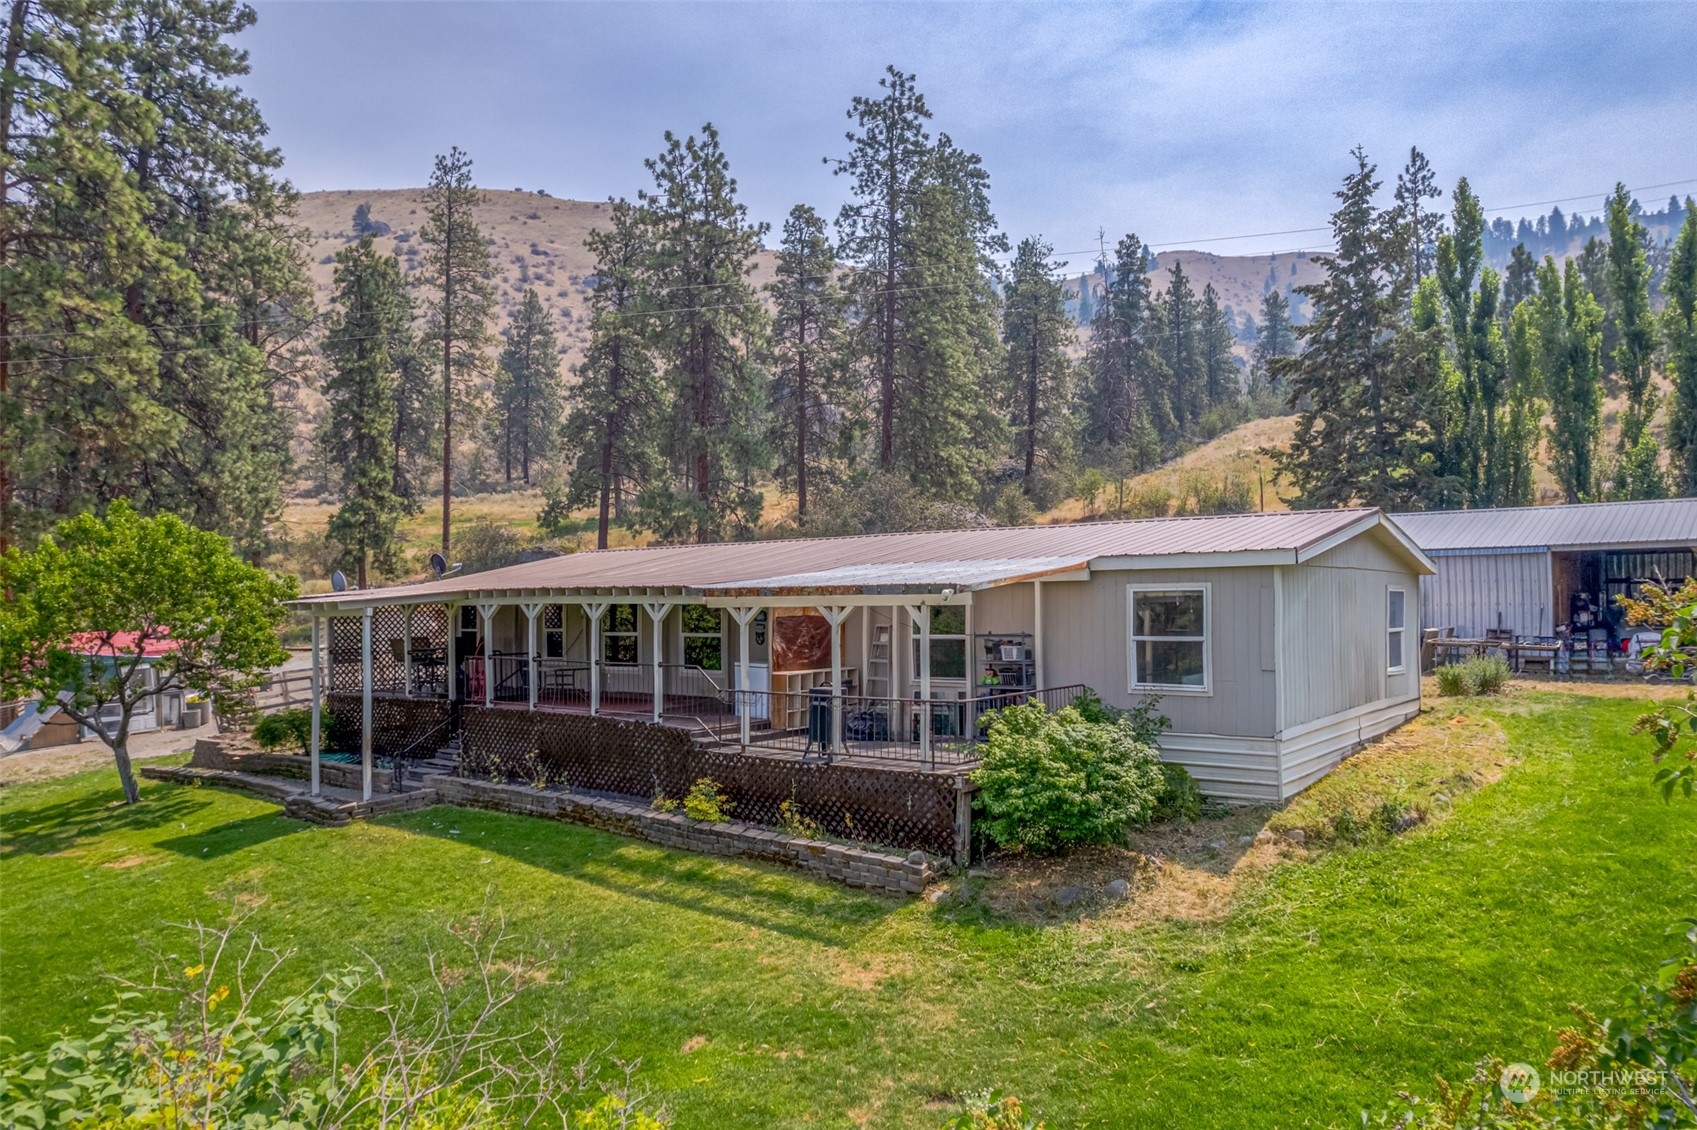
(1125,407)
(807,339)
(1470,292)
(611,434)
(1679,322)
(1570,361)
(527,388)
(1638,468)
(710,329)
(457,272)
(1359,381)
(1036,334)
(368,308)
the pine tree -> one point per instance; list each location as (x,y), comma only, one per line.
(1444,465)
(1182,350)
(1219,366)
(1036,334)
(1638,470)
(1277,337)
(1679,322)
(917,232)
(416,440)
(1417,226)
(369,307)
(527,389)
(1359,382)
(1520,281)
(1125,406)
(710,329)
(78,378)
(807,340)
(457,270)
(1570,361)
(612,433)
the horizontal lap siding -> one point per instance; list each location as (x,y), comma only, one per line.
(1471,592)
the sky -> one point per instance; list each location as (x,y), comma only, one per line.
(1183,123)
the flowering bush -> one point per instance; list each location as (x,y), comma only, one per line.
(1049,781)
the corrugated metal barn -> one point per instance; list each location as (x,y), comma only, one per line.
(1529,572)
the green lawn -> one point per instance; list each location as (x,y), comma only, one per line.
(1333,980)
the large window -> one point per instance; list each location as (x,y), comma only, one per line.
(1169,638)
(1396,629)
(619,626)
(948,643)
(704,637)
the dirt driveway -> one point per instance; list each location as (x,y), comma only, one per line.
(61,761)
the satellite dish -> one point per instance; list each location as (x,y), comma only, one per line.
(338,581)
(438,565)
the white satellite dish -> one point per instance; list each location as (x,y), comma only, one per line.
(338,581)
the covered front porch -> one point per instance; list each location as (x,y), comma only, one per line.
(899,674)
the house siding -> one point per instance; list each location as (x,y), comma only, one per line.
(1472,592)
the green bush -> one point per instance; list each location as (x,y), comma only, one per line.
(290,727)
(1180,798)
(1050,781)
(1483,674)
(707,801)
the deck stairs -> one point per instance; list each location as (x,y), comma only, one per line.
(446,759)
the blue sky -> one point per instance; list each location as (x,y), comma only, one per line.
(1178,121)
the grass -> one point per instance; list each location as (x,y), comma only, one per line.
(754,996)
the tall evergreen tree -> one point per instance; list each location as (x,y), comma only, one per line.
(710,331)
(1570,360)
(1219,365)
(1638,470)
(368,308)
(1036,334)
(1679,321)
(1520,280)
(527,389)
(1358,384)
(1183,350)
(457,272)
(1277,336)
(78,379)
(416,441)
(612,433)
(1125,406)
(1417,227)
(807,340)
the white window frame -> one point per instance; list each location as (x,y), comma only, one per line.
(1206,639)
(608,635)
(554,638)
(1400,630)
(717,635)
(961,637)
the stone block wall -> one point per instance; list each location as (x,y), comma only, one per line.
(237,754)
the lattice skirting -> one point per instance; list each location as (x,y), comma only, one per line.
(412,728)
(889,807)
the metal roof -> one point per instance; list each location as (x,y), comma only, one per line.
(923,561)
(1669,523)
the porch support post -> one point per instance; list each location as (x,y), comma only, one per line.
(922,616)
(745,696)
(835,616)
(406,653)
(594,611)
(530,614)
(1037,634)
(657,613)
(486,615)
(317,698)
(450,668)
(365,705)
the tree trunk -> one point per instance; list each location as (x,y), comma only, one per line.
(121,754)
(606,490)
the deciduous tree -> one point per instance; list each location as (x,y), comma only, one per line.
(1679,328)
(1638,468)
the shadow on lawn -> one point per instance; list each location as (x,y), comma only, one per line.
(744,891)
(55,828)
(233,836)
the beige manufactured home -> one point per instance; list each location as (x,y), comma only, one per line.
(1276,644)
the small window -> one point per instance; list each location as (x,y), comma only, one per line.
(704,637)
(1396,629)
(465,642)
(553,631)
(1169,638)
(618,634)
(948,642)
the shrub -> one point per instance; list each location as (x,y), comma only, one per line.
(1050,781)
(1180,798)
(1484,674)
(793,822)
(988,1110)
(707,801)
(290,727)
(1145,719)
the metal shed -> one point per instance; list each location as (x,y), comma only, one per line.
(1540,571)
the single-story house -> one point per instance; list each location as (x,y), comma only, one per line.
(1277,643)
(39,725)
(1529,572)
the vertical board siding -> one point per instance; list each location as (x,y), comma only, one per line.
(1471,591)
